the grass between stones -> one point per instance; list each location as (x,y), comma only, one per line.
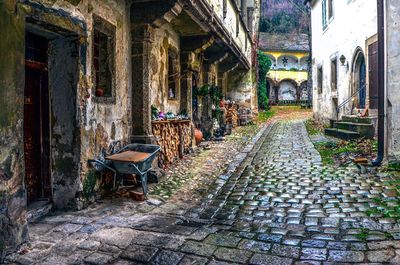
(339,153)
(265,115)
(388,207)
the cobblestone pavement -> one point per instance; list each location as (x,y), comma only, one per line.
(280,205)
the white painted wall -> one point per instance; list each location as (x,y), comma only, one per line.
(353,22)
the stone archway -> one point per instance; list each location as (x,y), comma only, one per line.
(287,90)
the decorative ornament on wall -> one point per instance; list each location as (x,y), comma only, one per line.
(285,61)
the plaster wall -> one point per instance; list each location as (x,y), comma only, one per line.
(231,22)
(165,38)
(352,24)
(393,80)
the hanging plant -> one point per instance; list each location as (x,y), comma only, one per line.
(203,91)
(154,112)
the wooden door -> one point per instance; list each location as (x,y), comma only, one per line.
(36,119)
(373,75)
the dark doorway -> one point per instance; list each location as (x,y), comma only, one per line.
(362,84)
(373,75)
(36,119)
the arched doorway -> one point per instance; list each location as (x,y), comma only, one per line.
(359,79)
(287,90)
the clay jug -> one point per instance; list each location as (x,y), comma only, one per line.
(198,136)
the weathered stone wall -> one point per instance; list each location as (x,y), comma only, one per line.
(165,38)
(80,125)
(352,24)
(13,228)
(242,88)
(393,80)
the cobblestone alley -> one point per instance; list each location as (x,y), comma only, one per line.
(280,205)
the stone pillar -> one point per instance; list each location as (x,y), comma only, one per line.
(186,83)
(142,41)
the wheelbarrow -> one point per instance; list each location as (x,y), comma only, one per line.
(135,159)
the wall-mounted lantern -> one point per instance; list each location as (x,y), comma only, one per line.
(342,59)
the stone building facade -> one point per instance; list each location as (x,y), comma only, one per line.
(345,63)
(288,77)
(80,77)
(344,43)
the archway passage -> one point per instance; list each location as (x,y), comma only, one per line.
(287,91)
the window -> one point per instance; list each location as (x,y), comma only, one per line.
(224,8)
(173,74)
(330,9)
(237,25)
(103,60)
(319,79)
(324,18)
(334,74)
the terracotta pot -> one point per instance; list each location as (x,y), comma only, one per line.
(99,92)
(198,136)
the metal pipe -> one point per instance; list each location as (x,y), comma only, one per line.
(381,83)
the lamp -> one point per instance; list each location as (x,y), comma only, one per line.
(342,59)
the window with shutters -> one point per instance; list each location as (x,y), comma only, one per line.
(330,9)
(324,15)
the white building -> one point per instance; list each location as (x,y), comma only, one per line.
(344,57)
(346,60)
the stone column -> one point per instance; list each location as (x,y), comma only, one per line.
(142,41)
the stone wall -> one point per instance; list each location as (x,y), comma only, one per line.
(13,227)
(165,39)
(81,126)
(393,80)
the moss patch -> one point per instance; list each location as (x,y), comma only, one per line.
(89,184)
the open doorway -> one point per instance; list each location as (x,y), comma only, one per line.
(36,120)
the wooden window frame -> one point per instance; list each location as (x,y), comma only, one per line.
(334,74)
(172,57)
(106,28)
(320,79)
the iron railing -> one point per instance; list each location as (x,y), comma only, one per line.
(347,100)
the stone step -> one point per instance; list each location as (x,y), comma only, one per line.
(365,130)
(357,119)
(342,134)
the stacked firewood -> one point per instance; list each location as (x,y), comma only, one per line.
(174,137)
(185,132)
(232,115)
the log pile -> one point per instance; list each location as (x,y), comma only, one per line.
(174,137)
(232,115)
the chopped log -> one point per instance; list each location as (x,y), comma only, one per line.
(174,137)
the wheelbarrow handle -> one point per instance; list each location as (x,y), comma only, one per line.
(102,163)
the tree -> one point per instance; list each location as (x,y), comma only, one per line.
(264,64)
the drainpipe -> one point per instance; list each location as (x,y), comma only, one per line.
(381,84)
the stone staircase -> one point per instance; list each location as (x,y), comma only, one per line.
(352,127)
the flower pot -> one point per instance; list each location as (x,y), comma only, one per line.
(198,136)
(99,92)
